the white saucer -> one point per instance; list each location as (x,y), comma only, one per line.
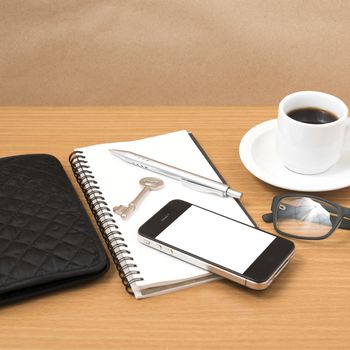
(258,153)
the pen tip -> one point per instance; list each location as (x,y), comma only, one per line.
(117,152)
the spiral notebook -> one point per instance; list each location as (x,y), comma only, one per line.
(108,181)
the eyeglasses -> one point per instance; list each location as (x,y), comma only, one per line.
(306,217)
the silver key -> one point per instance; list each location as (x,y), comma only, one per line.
(149,184)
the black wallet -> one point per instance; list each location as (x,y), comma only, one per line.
(47,240)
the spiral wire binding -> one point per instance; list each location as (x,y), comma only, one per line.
(104,219)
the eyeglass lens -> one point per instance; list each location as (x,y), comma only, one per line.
(304,216)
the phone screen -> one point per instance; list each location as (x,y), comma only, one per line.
(216,238)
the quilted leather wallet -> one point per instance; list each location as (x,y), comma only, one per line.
(47,240)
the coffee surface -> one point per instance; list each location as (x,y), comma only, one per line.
(312,115)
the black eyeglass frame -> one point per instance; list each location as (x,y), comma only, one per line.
(342,220)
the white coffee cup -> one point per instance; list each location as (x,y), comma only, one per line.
(311,148)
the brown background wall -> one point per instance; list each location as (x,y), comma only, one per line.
(171,52)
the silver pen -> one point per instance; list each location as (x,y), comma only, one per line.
(191,180)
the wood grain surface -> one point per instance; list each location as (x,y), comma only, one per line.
(307,307)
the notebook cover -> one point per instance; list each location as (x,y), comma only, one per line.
(47,240)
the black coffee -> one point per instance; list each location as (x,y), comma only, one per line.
(312,115)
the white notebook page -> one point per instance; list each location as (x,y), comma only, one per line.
(119,183)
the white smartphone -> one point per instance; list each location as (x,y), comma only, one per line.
(229,248)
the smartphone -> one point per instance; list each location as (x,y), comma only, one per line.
(216,243)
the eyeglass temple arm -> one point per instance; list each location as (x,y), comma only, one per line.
(267,217)
(345,223)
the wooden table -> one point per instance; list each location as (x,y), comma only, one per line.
(308,306)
